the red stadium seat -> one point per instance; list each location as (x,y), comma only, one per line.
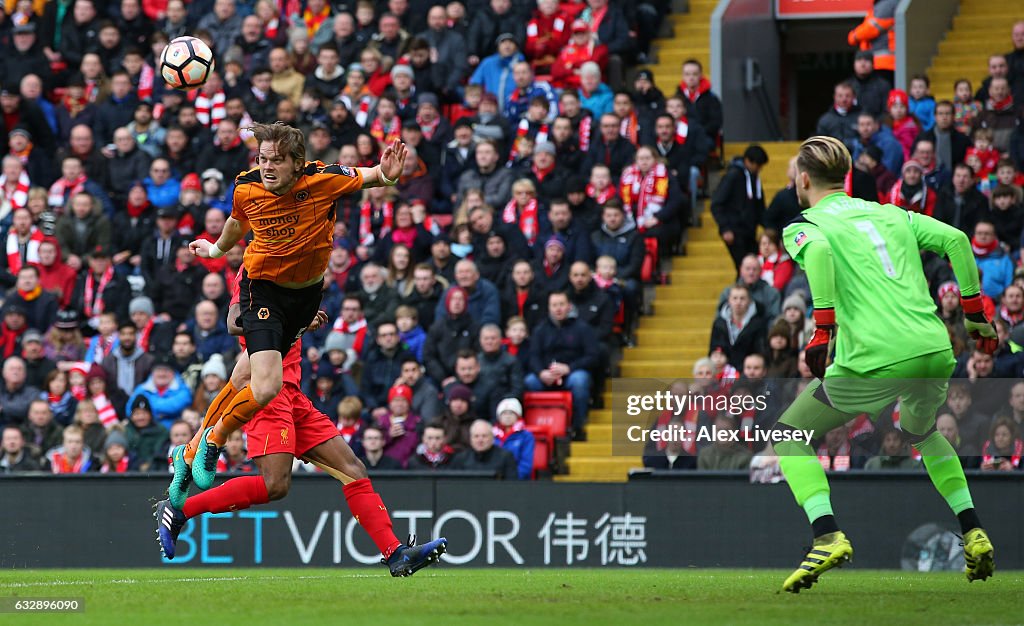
(649,270)
(541,457)
(548,409)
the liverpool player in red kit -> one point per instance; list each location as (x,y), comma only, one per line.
(289,427)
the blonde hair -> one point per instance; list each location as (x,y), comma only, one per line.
(350,407)
(825,160)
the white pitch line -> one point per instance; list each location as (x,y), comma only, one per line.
(133,581)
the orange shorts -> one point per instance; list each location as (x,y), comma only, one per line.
(290,424)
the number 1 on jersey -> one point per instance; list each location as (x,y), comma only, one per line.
(869,229)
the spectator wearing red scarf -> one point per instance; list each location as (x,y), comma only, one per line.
(406,232)
(510,433)
(911,193)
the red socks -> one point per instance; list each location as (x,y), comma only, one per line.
(234,495)
(246,491)
(369,510)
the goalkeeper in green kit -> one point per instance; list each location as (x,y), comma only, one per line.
(871,302)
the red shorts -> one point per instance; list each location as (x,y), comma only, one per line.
(290,424)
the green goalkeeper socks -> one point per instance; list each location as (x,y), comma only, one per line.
(946,472)
(806,478)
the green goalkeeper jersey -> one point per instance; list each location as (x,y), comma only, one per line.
(864,260)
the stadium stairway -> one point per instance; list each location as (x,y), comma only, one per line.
(981,29)
(678,333)
(690,38)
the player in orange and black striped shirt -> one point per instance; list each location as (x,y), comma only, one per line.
(288,204)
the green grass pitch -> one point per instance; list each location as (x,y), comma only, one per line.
(456,597)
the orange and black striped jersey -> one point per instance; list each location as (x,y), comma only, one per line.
(292,233)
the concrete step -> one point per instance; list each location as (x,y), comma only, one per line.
(1004,10)
(600,432)
(614,469)
(670,337)
(599,416)
(591,449)
(682,369)
(967,21)
(664,353)
(678,318)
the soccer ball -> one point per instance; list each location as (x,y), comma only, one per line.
(186,63)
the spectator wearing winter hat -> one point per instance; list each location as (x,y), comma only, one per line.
(458,415)
(911,193)
(165,392)
(147,438)
(115,459)
(212,378)
(483,455)
(510,434)
(403,91)
(400,425)
(14,326)
(904,126)
(37,366)
(551,270)
(494,72)
(870,88)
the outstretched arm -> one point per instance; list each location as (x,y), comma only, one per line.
(387,173)
(950,242)
(234,230)
(942,238)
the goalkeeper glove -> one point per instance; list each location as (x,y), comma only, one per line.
(979,327)
(819,348)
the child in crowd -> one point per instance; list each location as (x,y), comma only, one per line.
(601,188)
(115,453)
(517,339)
(1007,216)
(410,331)
(606,278)
(965,107)
(349,411)
(904,127)
(922,104)
(470,103)
(104,340)
(781,356)
(988,155)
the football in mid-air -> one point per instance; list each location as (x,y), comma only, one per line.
(186,63)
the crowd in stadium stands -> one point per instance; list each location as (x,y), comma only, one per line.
(510,257)
(959,162)
(542,187)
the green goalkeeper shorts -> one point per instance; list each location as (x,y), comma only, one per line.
(919,384)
